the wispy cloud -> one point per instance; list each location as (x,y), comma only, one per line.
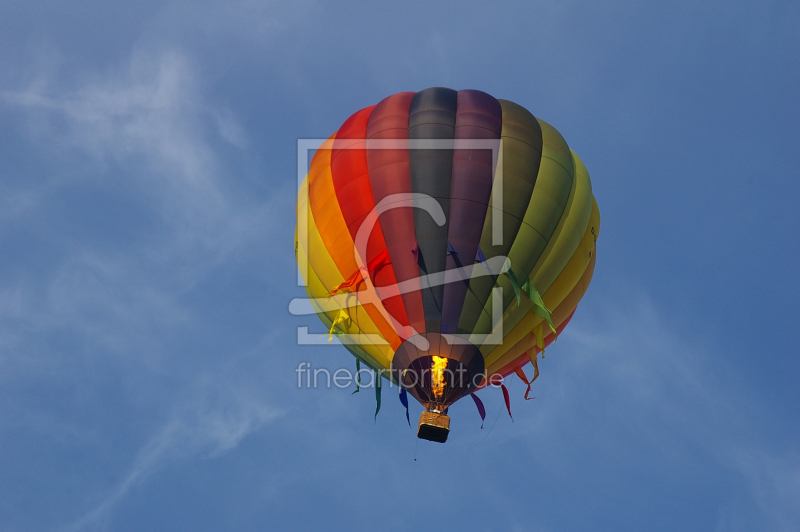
(152,109)
(647,390)
(210,420)
(147,131)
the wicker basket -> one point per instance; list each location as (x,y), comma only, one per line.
(433,427)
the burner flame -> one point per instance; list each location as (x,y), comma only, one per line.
(437,376)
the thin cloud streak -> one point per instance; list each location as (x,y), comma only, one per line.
(673,398)
(126,301)
(154,112)
(210,421)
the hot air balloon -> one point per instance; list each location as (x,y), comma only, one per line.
(446,237)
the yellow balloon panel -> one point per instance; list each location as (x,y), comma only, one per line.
(569,277)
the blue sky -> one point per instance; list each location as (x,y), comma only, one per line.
(147,354)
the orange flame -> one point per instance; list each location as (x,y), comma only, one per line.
(437,376)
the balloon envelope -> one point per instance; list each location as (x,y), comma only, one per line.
(448,237)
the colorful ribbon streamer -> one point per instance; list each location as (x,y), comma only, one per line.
(378,262)
(508,400)
(521,375)
(480,407)
(358,375)
(539,308)
(372,268)
(515,284)
(540,339)
(532,356)
(341,317)
(404,400)
(377,394)
(480,257)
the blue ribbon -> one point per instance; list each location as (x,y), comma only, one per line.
(404,400)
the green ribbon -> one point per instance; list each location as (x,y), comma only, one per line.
(539,308)
(358,375)
(377,393)
(515,284)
